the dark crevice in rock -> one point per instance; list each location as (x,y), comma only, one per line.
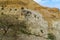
(2,13)
(22,8)
(35,16)
(2,8)
(41,31)
(15,9)
(10,9)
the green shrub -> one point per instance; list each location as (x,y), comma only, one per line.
(51,36)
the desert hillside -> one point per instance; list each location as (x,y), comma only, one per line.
(27,20)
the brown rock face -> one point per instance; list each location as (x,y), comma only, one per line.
(26,20)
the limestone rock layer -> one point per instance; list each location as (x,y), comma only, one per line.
(27,20)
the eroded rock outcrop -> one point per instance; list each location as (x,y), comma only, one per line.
(26,20)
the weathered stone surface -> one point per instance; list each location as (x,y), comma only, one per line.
(26,20)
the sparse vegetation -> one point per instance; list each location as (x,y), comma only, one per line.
(8,22)
(51,36)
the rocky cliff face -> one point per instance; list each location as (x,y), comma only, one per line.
(26,20)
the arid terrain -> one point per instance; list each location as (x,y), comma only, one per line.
(27,20)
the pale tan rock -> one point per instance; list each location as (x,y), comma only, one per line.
(41,23)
